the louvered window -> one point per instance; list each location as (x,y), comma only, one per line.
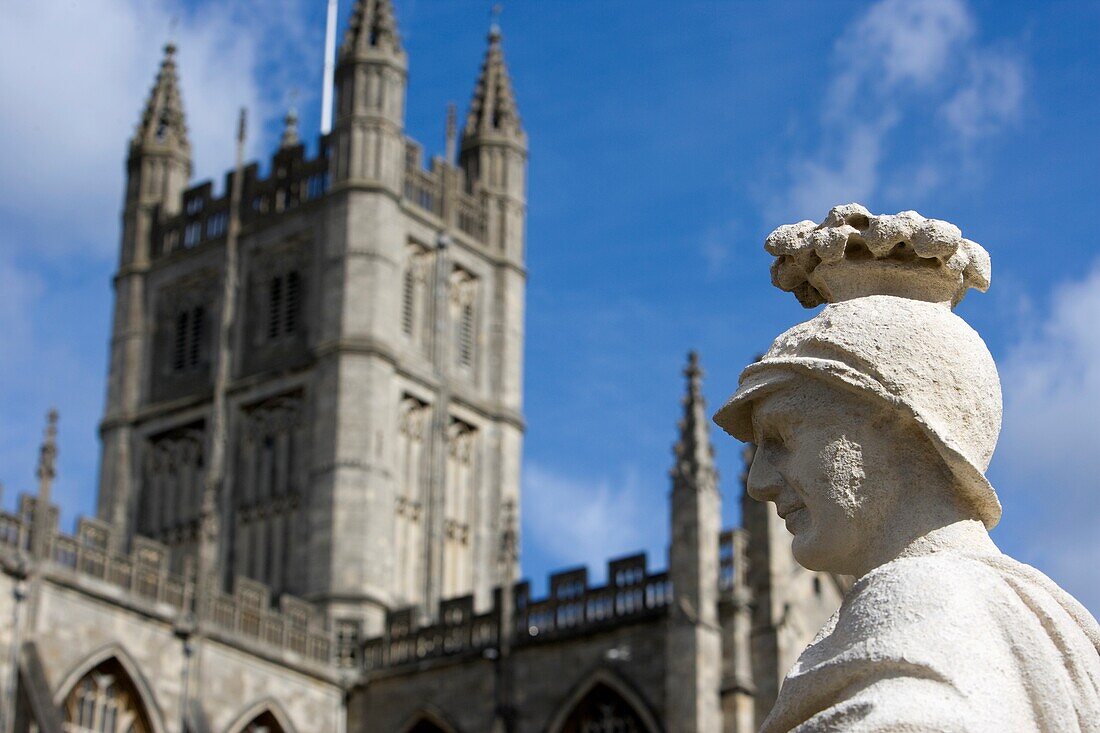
(293,293)
(284,305)
(408,302)
(190,326)
(179,352)
(275,308)
(466,336)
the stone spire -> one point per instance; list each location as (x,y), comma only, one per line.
(493,110)
(694,468)
(47,455)
(372,28)
(47,470)
(163,123)
(368,140)
(693,677)
(290,137)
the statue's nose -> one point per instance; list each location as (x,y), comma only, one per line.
(764,481)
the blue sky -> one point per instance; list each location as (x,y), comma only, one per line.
(666,141)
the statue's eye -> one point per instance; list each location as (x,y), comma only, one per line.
(773,438)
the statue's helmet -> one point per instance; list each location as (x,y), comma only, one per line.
(888,333)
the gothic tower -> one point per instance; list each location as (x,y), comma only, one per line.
(693,673)
(374,405)
(157,170)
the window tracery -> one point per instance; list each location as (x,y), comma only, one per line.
(603,710)
(105,700)
(267,493)
(171,492)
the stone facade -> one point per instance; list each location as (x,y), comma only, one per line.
(308,514)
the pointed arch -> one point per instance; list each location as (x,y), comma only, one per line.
(428,721)
(266,716)
(106,692)
(605,693)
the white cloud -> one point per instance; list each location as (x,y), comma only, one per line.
(84,72)
(74,85)
(569,521)
(992,98)
(912,63)
(1047,461)
(898,43)
(842,175)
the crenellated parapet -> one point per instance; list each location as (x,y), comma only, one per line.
(572,607)
(289,629)
(442,192)
(297,183)
(294,182)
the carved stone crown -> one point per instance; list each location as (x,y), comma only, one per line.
(854,253)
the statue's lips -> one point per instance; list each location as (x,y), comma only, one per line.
(791,515)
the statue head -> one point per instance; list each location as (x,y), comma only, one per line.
(883,391)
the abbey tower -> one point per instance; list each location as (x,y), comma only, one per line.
(374,419)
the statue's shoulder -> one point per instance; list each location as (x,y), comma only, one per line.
(959,592)
(953,589)
(925,578)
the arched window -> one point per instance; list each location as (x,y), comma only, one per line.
(603,710)
(426,726)
(464,296)
(428,723)
(284,305)
(416,297)
(265,722)
(105,700)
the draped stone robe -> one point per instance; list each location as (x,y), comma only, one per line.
(954,640)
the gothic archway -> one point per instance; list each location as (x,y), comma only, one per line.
(427,722)
(265,722)
(426,726)
(265,716)
(604,704)
(105,700)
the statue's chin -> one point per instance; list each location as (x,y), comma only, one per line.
(810,554)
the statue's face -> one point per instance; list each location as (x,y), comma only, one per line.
(824,456)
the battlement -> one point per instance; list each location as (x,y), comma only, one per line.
(571,607)
(295,181)
(443,192)
(246,615)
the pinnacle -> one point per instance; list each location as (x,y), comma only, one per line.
(290,137)
(493,108)
(373,27)
(693,451)
(163,122)
(47,454)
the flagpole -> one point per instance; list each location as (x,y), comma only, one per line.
(330,61)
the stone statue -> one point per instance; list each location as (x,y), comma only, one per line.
(874,422)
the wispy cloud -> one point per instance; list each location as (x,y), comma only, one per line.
(70,112)
(71,102)
(1047,458)
(570,520)
(907,64)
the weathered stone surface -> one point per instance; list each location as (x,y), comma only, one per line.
(854,253)
(874,422)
